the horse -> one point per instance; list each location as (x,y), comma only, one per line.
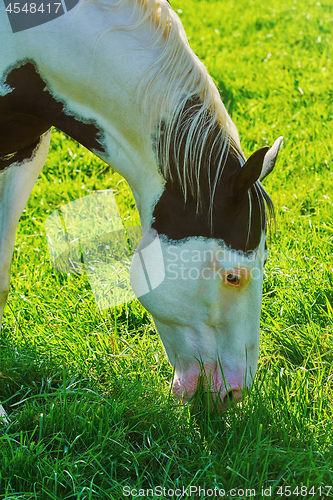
(119,77)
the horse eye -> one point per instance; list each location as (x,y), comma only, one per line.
(233,279)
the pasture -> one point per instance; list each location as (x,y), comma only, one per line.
(91,415)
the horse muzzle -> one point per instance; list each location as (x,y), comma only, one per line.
(223,392)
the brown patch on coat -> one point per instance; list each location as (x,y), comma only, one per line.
(29,110)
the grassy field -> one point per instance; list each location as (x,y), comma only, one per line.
(88,393)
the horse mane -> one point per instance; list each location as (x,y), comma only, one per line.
(178,89)
(176,77)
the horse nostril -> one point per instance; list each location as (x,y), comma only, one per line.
(228,398)
(232,397)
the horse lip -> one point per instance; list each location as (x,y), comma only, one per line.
(221,397)
(219,400)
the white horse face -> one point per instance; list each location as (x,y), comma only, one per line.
(204,296)
(206,310)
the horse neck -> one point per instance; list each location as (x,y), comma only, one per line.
(95,70)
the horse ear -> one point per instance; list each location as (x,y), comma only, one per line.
(270,158)
(249,173)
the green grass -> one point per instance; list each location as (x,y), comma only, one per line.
(89,393)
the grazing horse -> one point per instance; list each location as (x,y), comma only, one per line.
(120,78)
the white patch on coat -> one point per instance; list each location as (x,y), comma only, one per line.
(4,88)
